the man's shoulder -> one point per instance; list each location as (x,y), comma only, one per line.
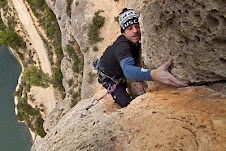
(122,39)
(122,43)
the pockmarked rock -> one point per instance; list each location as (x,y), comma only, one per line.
(193,33)
(191,118)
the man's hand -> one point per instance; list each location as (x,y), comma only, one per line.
(161,74)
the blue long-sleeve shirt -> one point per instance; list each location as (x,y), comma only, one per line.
(133,72)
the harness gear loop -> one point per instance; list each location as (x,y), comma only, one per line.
(110,90)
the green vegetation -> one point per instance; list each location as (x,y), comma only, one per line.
(77,68)
(78,61)
(33,76)
(60,55)
(68,9)
(8,37)
(3,3)
(37,3)
(48,21)
(12,39)
(39,126)
(2,25)
(26,112)
(95,48)
(36,77)
(31,116)
(26,108)
(116,18)
(70,82)
(97,23)
(57,78)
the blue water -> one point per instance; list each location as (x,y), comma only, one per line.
(14,136)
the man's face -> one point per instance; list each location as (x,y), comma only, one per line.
(132,33)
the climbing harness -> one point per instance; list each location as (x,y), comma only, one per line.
(102,76)
(110,90)
(102,79)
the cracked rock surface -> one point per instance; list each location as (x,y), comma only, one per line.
(192,32)
(191,118)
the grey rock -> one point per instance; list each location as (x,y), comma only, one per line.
(193,33)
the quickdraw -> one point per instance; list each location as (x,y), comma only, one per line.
(110,90)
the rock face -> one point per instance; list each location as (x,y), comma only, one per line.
(76,27)
(193,118)
(193,33)
(169,119)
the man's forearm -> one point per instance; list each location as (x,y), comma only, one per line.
(133,72)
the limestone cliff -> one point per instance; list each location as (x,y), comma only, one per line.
(193,118)
(190,32)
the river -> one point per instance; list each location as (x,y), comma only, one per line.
(14,135)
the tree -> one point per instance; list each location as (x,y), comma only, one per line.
(11,38)
(33,76)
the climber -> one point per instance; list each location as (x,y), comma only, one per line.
(118,62)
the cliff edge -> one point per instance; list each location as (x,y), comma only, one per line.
(165,118)
(192,118)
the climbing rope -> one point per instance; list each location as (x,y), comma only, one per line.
(110,90)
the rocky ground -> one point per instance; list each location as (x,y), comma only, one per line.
(192,118)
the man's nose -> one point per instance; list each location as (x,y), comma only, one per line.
(135,29)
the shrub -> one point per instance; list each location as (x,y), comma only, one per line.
(39,127)
(68,9)
(78,61)
(97,23)
(95,48)
(20,116)
(36,4)
(116,18)
(35,76)
(3,3)
(60,55)
(70,82)
(69,49)
(19,92)
(12,39)
(58,75)
(31,116)
(2,25)
(24,107)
